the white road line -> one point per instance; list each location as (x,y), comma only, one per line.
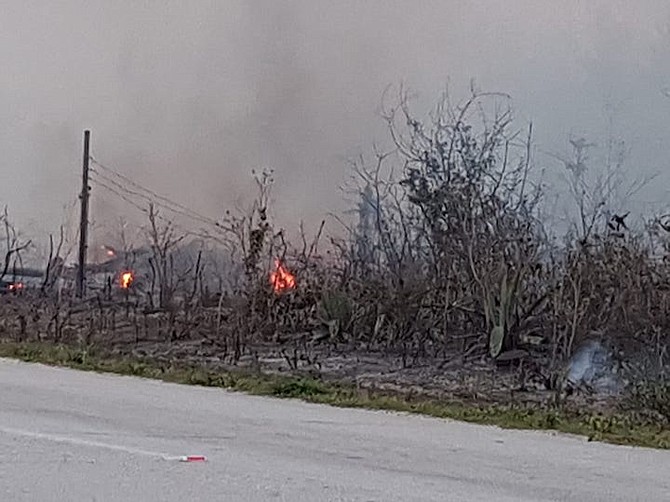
(85,442)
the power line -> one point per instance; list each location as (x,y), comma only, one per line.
(119,194)
(167,203)
(203,234)
(130,192)
(183,210)
(191,212)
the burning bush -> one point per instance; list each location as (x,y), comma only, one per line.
(126,279)
(281,279)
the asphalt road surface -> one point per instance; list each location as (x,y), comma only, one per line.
(74,436)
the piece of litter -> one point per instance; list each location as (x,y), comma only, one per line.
(193,458)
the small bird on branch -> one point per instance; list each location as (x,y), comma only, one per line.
(617,222)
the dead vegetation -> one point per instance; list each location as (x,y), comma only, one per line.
(447,284)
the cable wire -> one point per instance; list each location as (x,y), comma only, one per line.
(166,200)
(133,193)
(201,233)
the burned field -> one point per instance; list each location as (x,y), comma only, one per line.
(446,286)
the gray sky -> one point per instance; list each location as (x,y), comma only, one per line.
(188,96)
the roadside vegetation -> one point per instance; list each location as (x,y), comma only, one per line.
(617,428)
(449,293)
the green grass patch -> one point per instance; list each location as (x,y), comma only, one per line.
(615,428)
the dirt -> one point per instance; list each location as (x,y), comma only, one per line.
(475,379)
(129,331)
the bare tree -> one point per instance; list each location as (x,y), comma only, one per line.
(600,189)
(14,245)
(55,263)
(163,241)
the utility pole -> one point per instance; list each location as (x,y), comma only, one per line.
(83,224)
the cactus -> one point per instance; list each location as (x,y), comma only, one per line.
(499,316)
(335,311)
(496,339)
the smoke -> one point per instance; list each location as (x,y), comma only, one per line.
(188,97)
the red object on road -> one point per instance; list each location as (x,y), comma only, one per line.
(193,458)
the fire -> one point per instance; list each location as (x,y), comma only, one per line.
(281,279)
(127,279)
(109,251)
(16,286)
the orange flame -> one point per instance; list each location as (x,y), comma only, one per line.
(281,279)
(127,279)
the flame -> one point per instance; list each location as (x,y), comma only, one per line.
(16,286)
(127,279)
(281,279)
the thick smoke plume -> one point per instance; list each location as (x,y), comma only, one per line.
(188,97)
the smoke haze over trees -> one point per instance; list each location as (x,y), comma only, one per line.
(188,97)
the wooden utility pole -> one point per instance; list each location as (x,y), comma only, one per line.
(83,224)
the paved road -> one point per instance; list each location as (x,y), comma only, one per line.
(72,436)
